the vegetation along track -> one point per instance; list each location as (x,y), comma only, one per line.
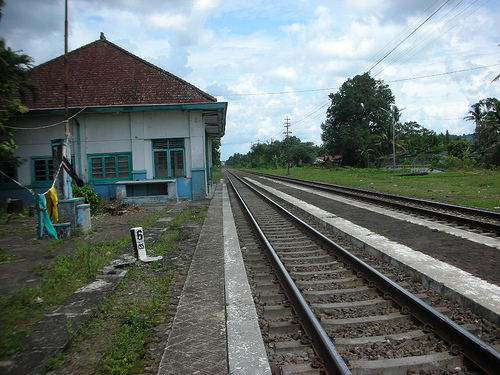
(473,218)
(356,319)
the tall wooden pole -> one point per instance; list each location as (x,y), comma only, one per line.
(66,72)
(61,148)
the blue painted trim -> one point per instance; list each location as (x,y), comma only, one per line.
(132,108)
(184,188)
(198,178)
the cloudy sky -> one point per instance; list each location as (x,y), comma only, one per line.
(272,59)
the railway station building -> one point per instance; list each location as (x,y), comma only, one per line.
(136,132)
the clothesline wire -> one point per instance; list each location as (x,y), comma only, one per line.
(18,183)
(55,177)
(46,126)
(27,188)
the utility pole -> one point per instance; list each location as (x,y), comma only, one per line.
(287,133)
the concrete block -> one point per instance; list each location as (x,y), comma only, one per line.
(83,219)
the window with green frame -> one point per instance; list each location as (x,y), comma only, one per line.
(10,172)
(110,167)
(168,157)
(42,170)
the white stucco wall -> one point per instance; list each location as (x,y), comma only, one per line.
(113,132)
(33,142)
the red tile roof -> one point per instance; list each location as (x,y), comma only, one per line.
(103,74)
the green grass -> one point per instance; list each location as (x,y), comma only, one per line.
(67,273)
(117,339)
(479,188)
(135,317)
(217,174)
(6,256)
(168,241)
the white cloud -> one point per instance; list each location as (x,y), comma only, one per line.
(259,48)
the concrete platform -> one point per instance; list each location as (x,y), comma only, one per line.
(215,330)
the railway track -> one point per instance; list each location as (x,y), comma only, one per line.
(469,217)
(338,314)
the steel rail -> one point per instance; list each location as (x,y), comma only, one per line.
(332,362)
(350,192)
(462,341)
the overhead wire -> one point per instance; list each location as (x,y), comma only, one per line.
(46,126)
(428,34)
(470,14)
(406,38)
(336,88)
(394,40)
(310,115)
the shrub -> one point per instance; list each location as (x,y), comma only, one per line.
(459,148)
(91,197)
(493,159)
(452,163)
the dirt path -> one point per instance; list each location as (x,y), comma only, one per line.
(18,239)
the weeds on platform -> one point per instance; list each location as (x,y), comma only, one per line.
(6,256)
(169,240)
(117,339)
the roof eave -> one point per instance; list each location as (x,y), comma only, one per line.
(210,110)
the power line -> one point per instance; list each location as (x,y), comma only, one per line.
(336,88)
(428,34)
(408,27)
(310,114)
(413,32)
(442,74)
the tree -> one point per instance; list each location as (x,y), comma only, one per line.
(459,148)
(274,154)
(237,161)
(216,143)
(14,87)
(417,139)
(303,154)
(486,116)
(358,110)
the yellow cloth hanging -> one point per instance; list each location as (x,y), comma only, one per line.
(51,198)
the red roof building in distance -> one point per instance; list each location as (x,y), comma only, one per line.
(103,74)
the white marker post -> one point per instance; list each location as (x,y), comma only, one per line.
(140,246)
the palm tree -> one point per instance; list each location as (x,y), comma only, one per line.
(476,114)
(365,154)
(486,115)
